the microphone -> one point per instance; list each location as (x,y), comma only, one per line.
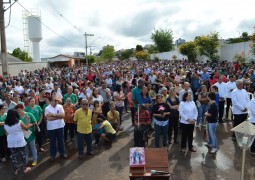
(158,172)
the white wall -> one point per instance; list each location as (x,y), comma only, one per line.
(168,55)
(15,68)
(226,52)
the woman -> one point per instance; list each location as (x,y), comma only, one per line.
(173,102)
(144,98)
(161,114)
(202,104)
(26,117)
(119,98)
(212,118)
(69,122)
(36,110)
(125,91)
(95,96)
(15,138)
(188,114)
(3,138)
(131,104)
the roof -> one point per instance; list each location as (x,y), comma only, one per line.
(61,58)
(11,59)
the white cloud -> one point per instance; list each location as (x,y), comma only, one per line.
(125,24)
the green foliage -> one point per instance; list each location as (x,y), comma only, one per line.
(208,46)
(91,59)
(189,49)
(108,52)
(139,47)
(253,49)
(244,38)
(126,54)
(163,40)
(142,55)
(153,49)
(239,58)
(22,55)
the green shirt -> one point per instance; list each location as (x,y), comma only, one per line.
(73,98)
(32,121)
(2,119)
(36,111)
(44,106)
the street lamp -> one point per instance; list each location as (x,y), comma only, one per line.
(245,135)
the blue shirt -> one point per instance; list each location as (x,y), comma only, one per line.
(205,76)
(135,95)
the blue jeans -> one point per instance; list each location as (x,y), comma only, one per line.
(211,130)
(32,147)
(201,114)
(160,130)
(80,140)
(120,110)
(56,135)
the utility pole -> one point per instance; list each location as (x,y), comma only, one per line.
(5,68)
(86,46)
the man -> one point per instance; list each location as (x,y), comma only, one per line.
(185,89)
(136,92)
(240,104)
(55,125)
(8,103)
(230,86)
(113,117)
(195,85)
(106,94)
(49,85)
(70,95)
(152,78)
(205,78)
(84,128)
(222,93)
(57,90)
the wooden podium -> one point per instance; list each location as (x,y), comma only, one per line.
(156,159)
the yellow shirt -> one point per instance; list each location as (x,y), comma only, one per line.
(83,121)
(108,127)
(164,98)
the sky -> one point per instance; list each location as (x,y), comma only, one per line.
(126,23)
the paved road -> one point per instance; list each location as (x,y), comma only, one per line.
(111,163)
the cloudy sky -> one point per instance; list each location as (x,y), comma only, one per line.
(126,23)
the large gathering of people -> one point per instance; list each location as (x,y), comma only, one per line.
(87,104)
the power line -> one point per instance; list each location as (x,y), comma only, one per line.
(62,16)
(45,24)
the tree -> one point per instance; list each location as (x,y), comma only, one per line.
(126,54)
(208,46)
(108,52)
(139,47)
(141,55)
(163,40)
(153,49)
(22,55)
(245,36)
(189,49)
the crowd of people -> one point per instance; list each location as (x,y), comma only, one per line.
(88,103)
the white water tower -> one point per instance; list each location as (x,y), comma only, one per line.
(34,32)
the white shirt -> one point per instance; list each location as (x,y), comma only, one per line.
(187,110)
(19,89)
(58,123)
(252,111)
(15,137)
(230,85)
(221,89)
(108,81)
(152,79)
(240,100)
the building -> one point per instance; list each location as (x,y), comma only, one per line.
(62,60)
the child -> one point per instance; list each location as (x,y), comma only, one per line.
(109,133)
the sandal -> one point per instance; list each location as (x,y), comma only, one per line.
(27,170)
